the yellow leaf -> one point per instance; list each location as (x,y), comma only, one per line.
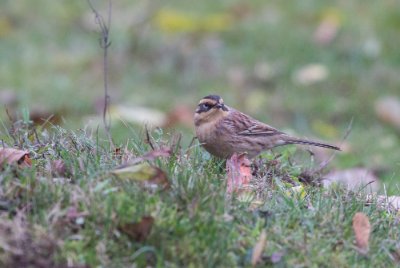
(174,21)
(150,175)
(296,191)
(169,20)
(329,27)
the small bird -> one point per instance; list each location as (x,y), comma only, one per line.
(223,131)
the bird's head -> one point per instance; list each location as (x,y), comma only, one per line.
(210,108)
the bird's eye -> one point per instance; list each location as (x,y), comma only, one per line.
(206,106)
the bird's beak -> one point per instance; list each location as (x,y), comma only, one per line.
(221,106)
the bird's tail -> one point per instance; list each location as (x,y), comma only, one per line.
(313,143)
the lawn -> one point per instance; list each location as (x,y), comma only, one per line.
(72,208)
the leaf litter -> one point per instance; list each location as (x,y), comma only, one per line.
(15,156)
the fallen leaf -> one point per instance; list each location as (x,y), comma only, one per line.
(181,114)
(391,203)
(149,175)
(297,191)
(353,179)
(388,110)
(259,248)
(394,202)
(140,115)
(138,231)
(41,116)
(362,230)
(311,74)
(328,28)
(15,156)
(174,21)
(238,173)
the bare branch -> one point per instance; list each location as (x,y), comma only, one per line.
(104,44)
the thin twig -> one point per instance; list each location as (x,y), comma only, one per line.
(104,44)
(36,135)
(191,142)
(324,164)
(9,116)
(148,138)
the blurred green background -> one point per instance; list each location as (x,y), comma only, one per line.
(307,67)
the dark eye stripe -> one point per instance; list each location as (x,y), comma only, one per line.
(204,107)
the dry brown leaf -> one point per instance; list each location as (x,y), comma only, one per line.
(238,173)
(362,230)
(138,231)
(388,110)
(259,248)
(140,115)
(390,203)
(311,74)
(327,30)
(42,116)
(15,156)
(353,179)
(181,114)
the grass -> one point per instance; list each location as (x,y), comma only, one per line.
(45,66)
(77,221)
(75,216)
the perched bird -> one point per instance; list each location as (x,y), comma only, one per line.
(223,131)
